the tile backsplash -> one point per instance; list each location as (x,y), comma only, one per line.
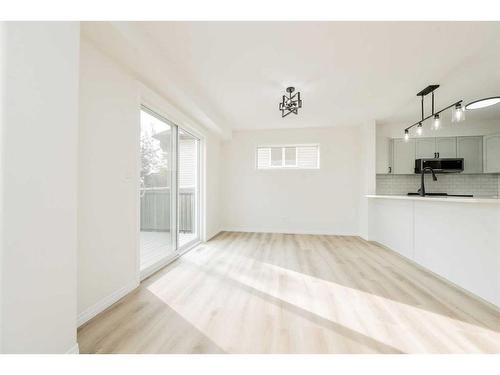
(476,184)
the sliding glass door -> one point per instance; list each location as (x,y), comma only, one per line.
(157,201)
(187,202)
(169,184)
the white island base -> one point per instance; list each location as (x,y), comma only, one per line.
(456,238)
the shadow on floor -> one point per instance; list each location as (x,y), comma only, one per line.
(142,323)
(340,330)
(358,264)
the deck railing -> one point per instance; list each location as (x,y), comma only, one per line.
(155,209)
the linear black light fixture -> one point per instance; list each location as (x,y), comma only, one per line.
(290,103)
(457,115)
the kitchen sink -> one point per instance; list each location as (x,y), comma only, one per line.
(443,195)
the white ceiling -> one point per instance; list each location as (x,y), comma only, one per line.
(347,72)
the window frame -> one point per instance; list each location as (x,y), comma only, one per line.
(283,162)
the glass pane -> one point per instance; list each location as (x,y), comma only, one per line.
(276,157)
(263,157)
(290,156)
(308,157)
(188,187)
(156,239)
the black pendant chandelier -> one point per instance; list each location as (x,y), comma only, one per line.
(290,103)
(457,115)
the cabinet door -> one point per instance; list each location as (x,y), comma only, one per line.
(383,155)
(389,156)
(425,148)
(471,150)
(491,153)
(446,147)
(403,156)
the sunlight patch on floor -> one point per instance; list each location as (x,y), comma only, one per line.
(375,316)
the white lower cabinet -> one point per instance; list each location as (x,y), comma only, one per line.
(457,241)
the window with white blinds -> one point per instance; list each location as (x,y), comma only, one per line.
(289,156)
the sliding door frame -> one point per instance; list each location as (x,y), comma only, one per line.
(199,202)
(195,241)
(144,273)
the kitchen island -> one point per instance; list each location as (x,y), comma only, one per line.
(457,238)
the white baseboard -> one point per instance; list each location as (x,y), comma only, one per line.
(73,350)
(210,236)
(104,303)
(363,237)
(289,231)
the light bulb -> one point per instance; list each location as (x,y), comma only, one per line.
(458,114)
(437,122)
(419,129)
(455,115)
(407,135)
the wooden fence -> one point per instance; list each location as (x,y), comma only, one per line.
(155,209)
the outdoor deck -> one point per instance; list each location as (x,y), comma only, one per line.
(155,245)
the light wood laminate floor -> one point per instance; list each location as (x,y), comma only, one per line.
(155,246)
(285,293)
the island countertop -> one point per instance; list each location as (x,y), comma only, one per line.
(476,199)
(454,237)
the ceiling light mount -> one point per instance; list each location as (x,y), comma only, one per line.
(290,103)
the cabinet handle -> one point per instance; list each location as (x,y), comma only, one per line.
(390,170)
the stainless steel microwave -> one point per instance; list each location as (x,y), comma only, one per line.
(441,165)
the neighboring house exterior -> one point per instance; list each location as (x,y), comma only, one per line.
(155,189)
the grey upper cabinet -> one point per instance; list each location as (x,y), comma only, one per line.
(425,148)
(492,153)
(384,155)
(446,147)
(403,156)
(471,150)
(389,157)
(480,154)
(441,147)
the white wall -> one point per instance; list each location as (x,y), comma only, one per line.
(213,186)
(107,166)
(324,201)
(39,119)
(110,99)
(368,171)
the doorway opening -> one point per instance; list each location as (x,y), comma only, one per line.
(169,191)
